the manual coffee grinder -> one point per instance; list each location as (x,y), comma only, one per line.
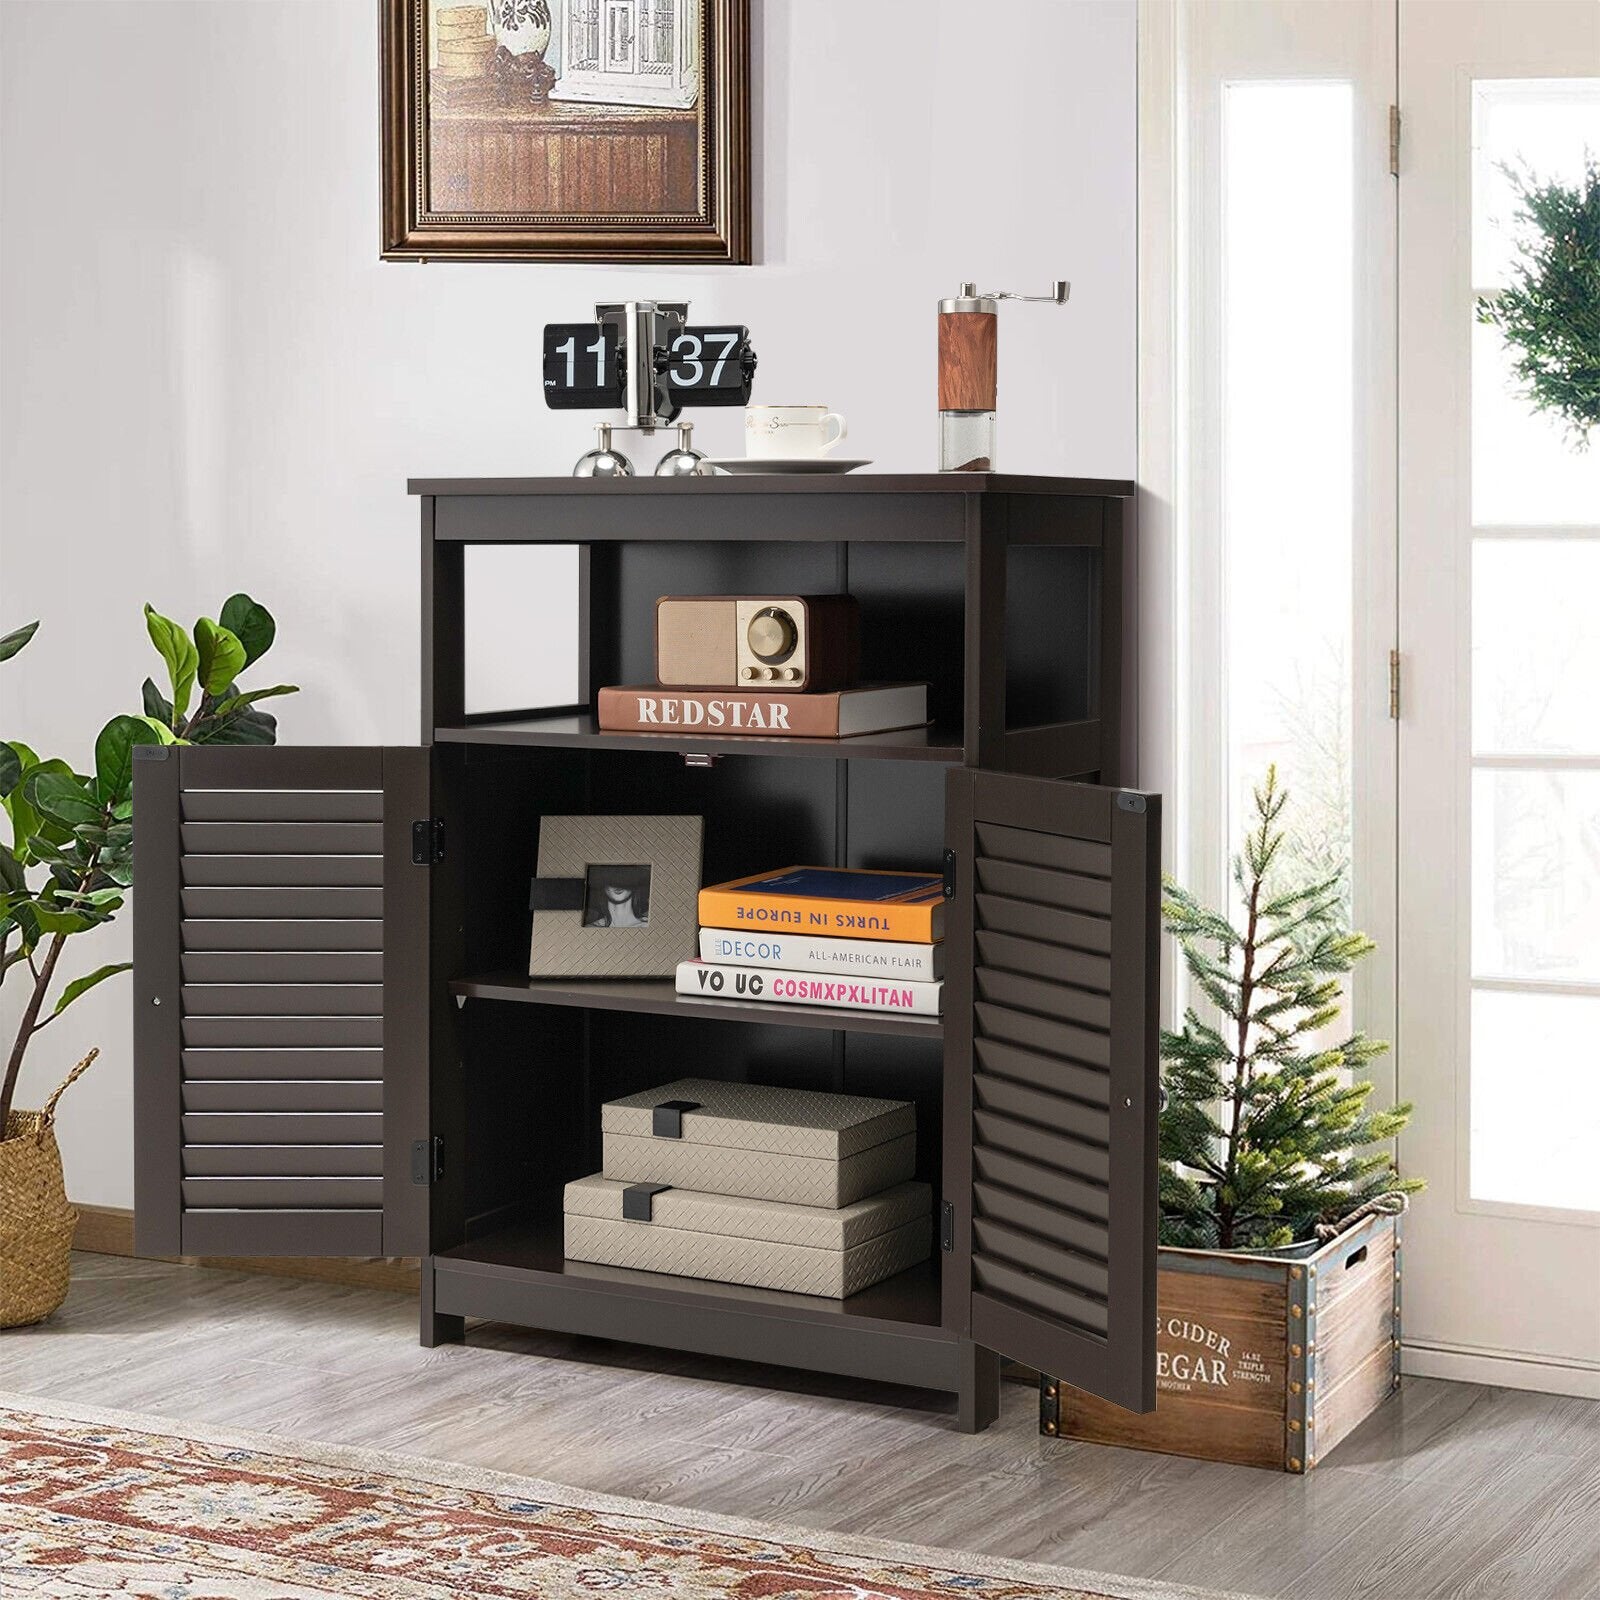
(968,371)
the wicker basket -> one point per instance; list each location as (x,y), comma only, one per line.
(36,1223)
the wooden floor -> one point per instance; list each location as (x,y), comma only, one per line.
(1451,1490)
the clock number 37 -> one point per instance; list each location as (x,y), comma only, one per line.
(691,353)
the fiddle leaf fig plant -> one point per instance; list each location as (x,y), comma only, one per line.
(69,861)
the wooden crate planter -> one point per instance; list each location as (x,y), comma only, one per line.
(1262,1361)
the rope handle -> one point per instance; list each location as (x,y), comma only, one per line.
(48,1116)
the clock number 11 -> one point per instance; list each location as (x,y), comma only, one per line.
(597,350)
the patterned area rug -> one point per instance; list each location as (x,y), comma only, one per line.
(98,1504)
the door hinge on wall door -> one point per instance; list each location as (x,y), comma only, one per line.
(1394,685)
(947,1226)
(1394,141)
(427,841)
(427,1160)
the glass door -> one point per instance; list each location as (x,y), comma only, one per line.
(1499,883)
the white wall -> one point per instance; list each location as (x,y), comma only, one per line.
(209,382)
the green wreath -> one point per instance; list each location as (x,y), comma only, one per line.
(1550,312)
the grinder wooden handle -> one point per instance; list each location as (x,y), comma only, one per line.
(968,341)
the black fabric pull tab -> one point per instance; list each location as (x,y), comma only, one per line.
(666,1119)
(556,894)
(638,1201)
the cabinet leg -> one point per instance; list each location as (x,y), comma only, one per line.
(978,1398)
(437,1328)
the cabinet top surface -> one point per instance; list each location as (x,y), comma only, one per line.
(782,483)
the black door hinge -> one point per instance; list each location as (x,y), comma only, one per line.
(427,841)
(947,1226)
(949,874)
(427,1160)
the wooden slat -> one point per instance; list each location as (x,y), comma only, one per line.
(283,1160)
(282,999)
(1034,1215)
(1030,921)
(312,1033)
(276,1194)
(282,1127)
(282,933)
(1045,999)
(282,1094)
(273,871)
(1064,891)
(219,902)
(283,805)
(1005,951)
(283,1063)
(1088,1200)
(283,966)
(1090,1163)
(1092,1085)
(283,838)
(1037,1033)
(1036,1294)
(229,1231)
(1034,849)
(1089,1123)
(1036,1255)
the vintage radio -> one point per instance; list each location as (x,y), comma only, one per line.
(758,641)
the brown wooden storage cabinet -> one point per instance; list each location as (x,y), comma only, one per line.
(1263,1361)
(338,1050)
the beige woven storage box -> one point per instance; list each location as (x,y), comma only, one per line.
(791,1146)
(803,1249)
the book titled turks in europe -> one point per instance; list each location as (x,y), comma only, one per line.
(801,952)
(707,980)
(847,903)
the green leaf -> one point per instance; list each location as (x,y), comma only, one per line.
(37,918)
(83,985)
(239,701)
(156,704)
(113,757)
(10,769)
(11,878)
(25,821)
(221,656)
(242,727)
(10,643)
(250,624)
(62,796)
(178,651)
(163,734)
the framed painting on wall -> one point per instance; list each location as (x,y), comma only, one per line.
(566,130)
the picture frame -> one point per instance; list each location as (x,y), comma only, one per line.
(566,130)
(615,897)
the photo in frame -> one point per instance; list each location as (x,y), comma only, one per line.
(566,130)
(615,897)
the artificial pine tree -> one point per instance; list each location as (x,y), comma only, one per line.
(1265,1133)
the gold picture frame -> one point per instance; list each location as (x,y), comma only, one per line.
(492,155)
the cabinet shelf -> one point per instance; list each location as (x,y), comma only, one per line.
(658,995)
(580,730)
(534,1248)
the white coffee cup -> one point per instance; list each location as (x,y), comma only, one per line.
(785,432)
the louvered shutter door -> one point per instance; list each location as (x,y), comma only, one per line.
(1052,1076)
(280,933)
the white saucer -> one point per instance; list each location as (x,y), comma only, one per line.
(749,465)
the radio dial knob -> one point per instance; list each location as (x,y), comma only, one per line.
(772,635)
